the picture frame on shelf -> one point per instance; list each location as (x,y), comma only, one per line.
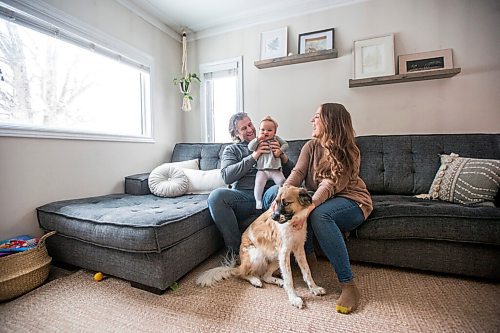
(316,41)
(425,61)
(374,57)
(274,43)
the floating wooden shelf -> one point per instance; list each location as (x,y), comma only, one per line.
(296,59)
(417,76)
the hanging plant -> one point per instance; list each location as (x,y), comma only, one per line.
(186,79)
(185,88)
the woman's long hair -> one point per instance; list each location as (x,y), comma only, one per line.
(338,139)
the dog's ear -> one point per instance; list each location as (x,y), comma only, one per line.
(280,191)
(277,199)
(305,198)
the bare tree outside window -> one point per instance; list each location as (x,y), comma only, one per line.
(49,83)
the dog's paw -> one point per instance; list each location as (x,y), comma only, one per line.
(297,302)
(256,282)
(279,282)
(318,291)
(273,280)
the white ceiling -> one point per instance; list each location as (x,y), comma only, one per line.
(203,18)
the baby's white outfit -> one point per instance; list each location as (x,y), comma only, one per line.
(269,167)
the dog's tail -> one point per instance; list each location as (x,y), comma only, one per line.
(214,275)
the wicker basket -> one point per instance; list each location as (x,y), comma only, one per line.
(24,271)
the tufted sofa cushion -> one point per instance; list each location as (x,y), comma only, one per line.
(144,223)
(208,154)
(399,217)
(407,164)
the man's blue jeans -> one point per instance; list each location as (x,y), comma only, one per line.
(230,208)
(328,222)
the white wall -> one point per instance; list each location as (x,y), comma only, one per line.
(468,102)
(34,172)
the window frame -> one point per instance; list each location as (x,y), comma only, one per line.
(220,65)
(81,34)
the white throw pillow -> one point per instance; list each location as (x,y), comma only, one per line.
(168,180)
(203,181)
(190,164)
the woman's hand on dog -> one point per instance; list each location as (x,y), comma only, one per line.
(302,218)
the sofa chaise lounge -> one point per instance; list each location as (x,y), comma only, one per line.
(153,241)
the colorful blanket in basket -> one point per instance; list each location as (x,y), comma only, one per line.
(17,244)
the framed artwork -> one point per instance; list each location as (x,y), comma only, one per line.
(374,57)
(316,41)
(273,44)
(426,61)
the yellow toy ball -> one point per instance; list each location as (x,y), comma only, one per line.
(98,276)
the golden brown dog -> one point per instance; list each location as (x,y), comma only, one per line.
(266,246)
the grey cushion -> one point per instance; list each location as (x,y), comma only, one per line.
(137,184)
(157,270)
(208,153)
(143,223)
(438,256)
(406,217)
(407,164)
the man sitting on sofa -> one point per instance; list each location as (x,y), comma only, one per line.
(230,205)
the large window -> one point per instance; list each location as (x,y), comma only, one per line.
(57,81)
(221,96)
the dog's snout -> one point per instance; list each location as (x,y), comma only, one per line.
(281,215)
(277,212)
(275,216)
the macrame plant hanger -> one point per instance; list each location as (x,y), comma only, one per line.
(185,87)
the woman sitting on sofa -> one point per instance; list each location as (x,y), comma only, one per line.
(329,166)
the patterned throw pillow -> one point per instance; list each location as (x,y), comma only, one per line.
(467,181)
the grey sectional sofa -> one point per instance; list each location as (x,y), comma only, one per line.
(153,241)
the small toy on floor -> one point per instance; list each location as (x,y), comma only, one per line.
(98,277)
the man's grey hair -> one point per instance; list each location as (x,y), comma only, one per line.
(233,122)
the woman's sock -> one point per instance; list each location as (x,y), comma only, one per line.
(349,298)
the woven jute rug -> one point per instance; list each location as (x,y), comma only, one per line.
(393,300)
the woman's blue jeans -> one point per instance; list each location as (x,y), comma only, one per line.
(328,222)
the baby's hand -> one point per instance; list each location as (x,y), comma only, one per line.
(275,148)
(261,137)
(263,147)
